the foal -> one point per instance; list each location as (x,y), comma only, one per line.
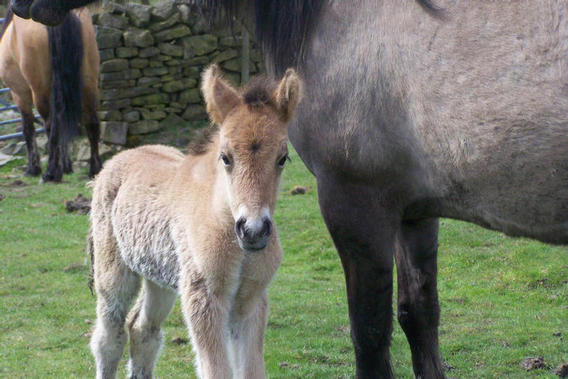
(199,226)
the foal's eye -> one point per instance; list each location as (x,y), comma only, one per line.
(226,160)
(283,160)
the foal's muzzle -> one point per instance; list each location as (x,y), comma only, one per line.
(253,234)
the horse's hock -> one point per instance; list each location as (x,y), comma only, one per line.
(151,62)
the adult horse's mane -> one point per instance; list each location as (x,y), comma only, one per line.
(282,27)
(7,20)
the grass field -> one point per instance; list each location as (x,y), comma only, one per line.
(502,299)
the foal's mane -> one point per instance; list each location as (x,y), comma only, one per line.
(257,93)
(7,20)
(284,26)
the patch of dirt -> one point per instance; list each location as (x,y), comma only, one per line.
(562,370)
(2,196)
(79,204)
(446,366)
(17,183)
(180,341)
(533,363)
(299,190)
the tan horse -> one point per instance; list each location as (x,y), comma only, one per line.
(199,226)
(55,69)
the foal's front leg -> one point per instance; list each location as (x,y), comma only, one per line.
(206,316)
(246,344)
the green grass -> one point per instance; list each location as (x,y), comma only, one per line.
(502,299)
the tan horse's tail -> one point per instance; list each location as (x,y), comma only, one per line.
(66,49)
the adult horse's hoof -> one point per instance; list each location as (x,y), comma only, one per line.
(21,8)
(48,177)
(33,171)
(95,166)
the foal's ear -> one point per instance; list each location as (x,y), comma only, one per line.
(288,94)
(220,96)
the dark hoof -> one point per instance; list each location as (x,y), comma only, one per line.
(21,8)
(94,167)
(46,12)
(33,171)
(55,178)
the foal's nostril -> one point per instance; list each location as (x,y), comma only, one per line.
(266,227)
(240,227)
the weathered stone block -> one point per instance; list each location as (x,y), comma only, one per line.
(199,45)
(148,81)
(139,63)
(108,37)
(163,9)
(178,85)
(126,52)
(149,52)
(111,84)
(190,96)
(131,116)
(138,38)
(115,104)
(106,54)
(113,65)
(112,21)
(232,65)
(225,55)
(171,49)
(155,71)
(196,61)
(114,132)
(139,14)
(173,62)
(143,127)
(156,98)
(172,122)
(163,58)
(171,21)
(192,72)
(194,112)
(176,32)
(152,115)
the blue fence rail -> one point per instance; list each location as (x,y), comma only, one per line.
(8,106)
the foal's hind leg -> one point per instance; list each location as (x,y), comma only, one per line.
(418,308)
(152,307)
(116,286)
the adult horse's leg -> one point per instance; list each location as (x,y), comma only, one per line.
(34,166)
(144,327)
(418,308)
(364,234)
(54,171)
(92,125)
(66,160)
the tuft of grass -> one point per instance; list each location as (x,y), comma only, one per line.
(502,299)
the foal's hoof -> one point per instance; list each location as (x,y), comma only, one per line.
(45,12)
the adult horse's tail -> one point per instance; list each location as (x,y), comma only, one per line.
(66,49)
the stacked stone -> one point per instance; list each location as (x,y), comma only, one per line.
(151,61)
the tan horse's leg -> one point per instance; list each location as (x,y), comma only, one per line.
(152,307)
(116,286)
(246,345)
(206,316)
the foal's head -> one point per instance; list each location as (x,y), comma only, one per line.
(252,151)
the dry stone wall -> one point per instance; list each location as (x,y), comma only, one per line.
(151,61)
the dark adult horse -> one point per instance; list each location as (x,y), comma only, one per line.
(56,69)
(422,114)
